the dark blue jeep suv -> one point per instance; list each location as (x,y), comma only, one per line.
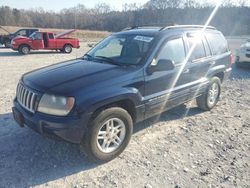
(132,75)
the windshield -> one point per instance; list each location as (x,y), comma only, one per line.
(122,49)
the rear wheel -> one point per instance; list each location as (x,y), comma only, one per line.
(210,98)
(237,62)
(24,49)
(108,134)
(67,49)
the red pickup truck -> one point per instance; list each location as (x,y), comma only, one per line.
(45,41)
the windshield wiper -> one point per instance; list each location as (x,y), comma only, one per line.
(88,56)
(107,59)
(100,59)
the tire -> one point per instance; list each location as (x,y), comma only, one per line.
(24,49)
(67,49)
(206,101)
(7,44)
(97,149)
(237,62)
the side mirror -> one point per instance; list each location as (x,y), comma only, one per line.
(162,65)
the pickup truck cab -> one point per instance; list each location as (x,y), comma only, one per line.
(45,41)
(6,39)
(130,76)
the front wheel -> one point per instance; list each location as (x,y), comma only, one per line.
(210,98)
(24,49)
(108,135)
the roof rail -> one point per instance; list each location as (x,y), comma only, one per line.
(142,27)
(129,28)
(185,26)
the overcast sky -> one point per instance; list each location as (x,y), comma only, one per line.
(57,5)
(60,4)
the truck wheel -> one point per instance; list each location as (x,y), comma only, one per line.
(7,44)
(108,134)
(210,98)
(24,49)
(239,64)
(67,49)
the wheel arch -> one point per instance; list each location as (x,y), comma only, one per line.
(127,104)
(24,44)
(67,44)
(220,75)
(218,72)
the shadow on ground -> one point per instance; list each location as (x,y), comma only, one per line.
(170,115)
(28,159)
(240,72)
(9,54)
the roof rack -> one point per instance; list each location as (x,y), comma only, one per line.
(185,26)
(142,27)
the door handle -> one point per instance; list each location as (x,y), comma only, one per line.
(186,71)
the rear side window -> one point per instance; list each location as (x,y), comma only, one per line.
(173,50)
(51,36)
(199,50)
(217,42)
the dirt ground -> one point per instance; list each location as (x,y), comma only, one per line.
(184,147)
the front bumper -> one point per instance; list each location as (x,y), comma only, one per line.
(14,47)
(69,128)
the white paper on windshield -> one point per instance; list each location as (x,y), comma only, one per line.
(143,38)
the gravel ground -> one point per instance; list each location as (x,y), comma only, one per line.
(184,147)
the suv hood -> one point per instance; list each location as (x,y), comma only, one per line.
(72,75)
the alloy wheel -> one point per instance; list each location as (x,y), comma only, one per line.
(111,135)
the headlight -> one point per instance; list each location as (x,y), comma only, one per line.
(56,105)
(13,42)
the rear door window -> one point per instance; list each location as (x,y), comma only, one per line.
(51,36)
(206,46)
(199,50)
(217,42)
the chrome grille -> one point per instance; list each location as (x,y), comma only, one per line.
(26,98)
